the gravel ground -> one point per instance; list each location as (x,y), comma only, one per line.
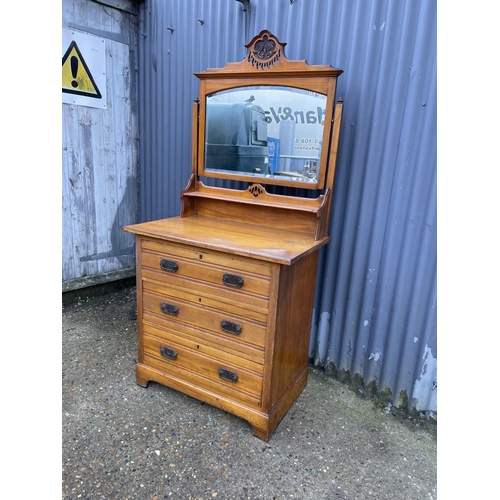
(122,441)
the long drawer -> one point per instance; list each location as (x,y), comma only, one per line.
(204,342)
(208,294)
(222,376)
(170,309)
(223,270)
(208,297)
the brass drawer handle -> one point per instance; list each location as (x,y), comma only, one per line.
(169,265)
(168,353)
(169,309)
(230,327)
(233,280)
(228,375)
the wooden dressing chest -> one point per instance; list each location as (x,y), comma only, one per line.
(225,291)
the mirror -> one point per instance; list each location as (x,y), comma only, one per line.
(266,119)
(270,132)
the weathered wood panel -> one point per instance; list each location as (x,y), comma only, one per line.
(100,154)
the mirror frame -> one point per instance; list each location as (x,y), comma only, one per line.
(266,65)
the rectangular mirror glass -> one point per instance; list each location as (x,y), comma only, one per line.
(265,131)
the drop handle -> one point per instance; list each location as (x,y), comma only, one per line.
(228,375)
(230,327)
(168,353)
(233,280)
(169,265)
(167,308)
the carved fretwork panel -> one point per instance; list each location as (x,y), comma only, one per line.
(256,190)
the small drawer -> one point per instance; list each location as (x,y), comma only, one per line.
(204,371)
(167,309)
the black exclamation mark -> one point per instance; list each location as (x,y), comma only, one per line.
(74,70)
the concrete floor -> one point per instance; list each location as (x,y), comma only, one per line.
(122,441)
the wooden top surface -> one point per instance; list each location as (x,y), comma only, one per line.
(248,240)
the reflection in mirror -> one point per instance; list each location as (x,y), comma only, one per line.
(265,131)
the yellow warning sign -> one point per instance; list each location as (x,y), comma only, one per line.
(76,76)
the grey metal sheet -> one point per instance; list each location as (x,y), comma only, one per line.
(375,307)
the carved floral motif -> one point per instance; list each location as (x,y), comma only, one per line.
(265,51)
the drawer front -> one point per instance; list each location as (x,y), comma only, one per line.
(204,371)
(203,342)
(168,310)
(207,256)
(208,292)
(208,297)
(225,271)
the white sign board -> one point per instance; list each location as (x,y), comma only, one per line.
(83,69)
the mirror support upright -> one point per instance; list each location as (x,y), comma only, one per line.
(238,139)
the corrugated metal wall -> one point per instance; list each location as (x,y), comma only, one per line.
(100,153)
(375,306)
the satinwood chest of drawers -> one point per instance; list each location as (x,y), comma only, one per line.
(225,290)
